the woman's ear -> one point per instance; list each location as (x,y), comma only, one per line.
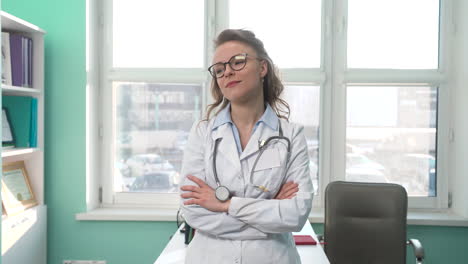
(263,68)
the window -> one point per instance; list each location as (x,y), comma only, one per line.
(304,102)
(138,43)
(376,39)
(152,123)
(153,90)
(367,89)
(391,136)
(392,88)
(297,22)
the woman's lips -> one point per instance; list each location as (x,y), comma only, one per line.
(231,84)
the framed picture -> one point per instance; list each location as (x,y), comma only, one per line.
(16,190)
(8,137)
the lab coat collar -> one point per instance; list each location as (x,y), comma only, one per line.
(223,117)
(269,117)
(228,147)
(222,129)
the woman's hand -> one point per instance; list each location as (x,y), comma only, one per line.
(287,191)
(203,195)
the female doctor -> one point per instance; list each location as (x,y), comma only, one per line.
(246,184)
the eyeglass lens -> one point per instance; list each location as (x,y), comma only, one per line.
(236,62)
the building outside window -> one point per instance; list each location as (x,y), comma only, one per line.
(367,89)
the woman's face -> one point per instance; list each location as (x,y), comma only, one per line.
(244,85)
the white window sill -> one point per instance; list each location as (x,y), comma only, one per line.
(157,214)
(416,218)
(128,214)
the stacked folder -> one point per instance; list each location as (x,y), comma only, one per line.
(23,119)
(17,59)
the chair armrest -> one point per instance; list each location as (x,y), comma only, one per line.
(320,238)
(417,248)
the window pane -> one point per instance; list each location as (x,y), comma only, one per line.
(290,30)
(304,103)
(396,34)
(152,126)
(158,34)
(391,137)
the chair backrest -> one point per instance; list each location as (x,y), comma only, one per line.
(365,223)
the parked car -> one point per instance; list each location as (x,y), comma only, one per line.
(181,140)
(163,181)
(174,156)
(124,138)
(357,174)
(422,169)
(360,168)
(123,168)
(350,148)
(361,161)
(141,164)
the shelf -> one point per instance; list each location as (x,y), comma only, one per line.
(12,23)
(18,152)
(19,91)
(24,235)
(21,231)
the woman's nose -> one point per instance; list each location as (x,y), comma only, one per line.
(228,71)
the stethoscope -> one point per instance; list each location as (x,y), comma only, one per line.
(222,193)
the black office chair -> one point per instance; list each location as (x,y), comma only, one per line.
(365,223)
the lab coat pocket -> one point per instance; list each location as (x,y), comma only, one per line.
(270,158)
(266,174)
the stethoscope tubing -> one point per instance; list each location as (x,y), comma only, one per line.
(215,151)
(262,148)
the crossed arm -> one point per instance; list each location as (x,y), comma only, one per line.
(244,218)
(203,195)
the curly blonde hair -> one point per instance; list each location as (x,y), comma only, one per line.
(272,86)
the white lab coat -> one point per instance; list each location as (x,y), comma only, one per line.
(257,229)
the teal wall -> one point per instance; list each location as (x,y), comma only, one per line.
(65,80)
(117,242)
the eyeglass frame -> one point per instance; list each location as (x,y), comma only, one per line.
(229,63)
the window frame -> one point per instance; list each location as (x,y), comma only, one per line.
(435,78)
(332,77)
(157,75)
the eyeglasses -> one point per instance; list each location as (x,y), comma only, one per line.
(236,62)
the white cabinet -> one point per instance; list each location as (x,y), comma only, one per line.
(24,234)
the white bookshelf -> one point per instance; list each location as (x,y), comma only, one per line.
(19,91)
(24,235)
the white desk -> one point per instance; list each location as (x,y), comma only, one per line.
(174,253)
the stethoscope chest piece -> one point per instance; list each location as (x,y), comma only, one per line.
(222,193)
